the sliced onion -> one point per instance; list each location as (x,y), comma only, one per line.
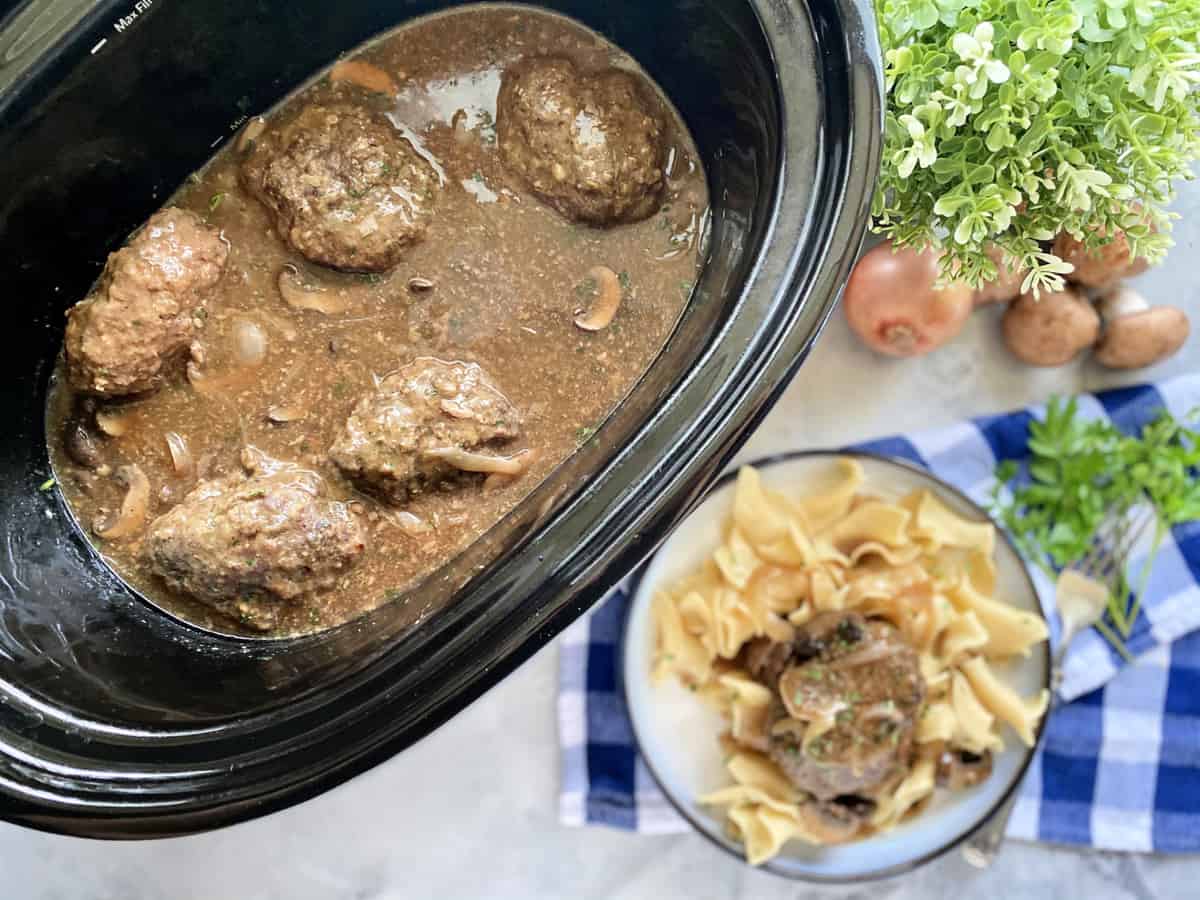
(249,343)
(111,424)
(134,507)
(885,709)
(181,456)
(608,300)
(410,524)
(285,328)
(216,386)
(298,295)
(497,480)
(468,461)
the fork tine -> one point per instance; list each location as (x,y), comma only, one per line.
(1094,560)
(1114,541)
(1132,535)
(1087,563)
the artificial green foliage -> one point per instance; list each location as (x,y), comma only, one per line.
(1009,121)
(1083,473)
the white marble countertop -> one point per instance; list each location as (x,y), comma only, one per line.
(471,811)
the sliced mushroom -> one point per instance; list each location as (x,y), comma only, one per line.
(181,456)
(81,445)
(134,507)
(365,75)
(1050,330)
(298,295)
(282,415)
(830,823)
(111,423)
(420,285)
(1135,334)
(251,132)
(608,300)
(467,461)
(958,769)
(1108,263)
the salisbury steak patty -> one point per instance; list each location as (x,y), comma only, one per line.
(346,188)
(141,316)
(589,145)
(864,677)
(403,437)
(247,544)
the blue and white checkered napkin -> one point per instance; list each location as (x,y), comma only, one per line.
(1120,765)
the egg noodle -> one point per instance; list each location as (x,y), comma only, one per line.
(914,563)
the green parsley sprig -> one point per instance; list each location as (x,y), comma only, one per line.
(1079,473)
(1009,121)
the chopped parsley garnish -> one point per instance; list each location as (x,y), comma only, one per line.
(626,281)
(215,201)
(814,674)
(47,484)
(584,433)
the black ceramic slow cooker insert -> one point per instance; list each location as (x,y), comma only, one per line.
(118,721)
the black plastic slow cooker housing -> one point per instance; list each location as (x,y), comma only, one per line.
(118,721)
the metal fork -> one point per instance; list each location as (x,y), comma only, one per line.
(1081,596)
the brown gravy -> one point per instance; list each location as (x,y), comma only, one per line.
(498,279)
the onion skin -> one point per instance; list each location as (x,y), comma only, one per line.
(1007,285)
(892,304)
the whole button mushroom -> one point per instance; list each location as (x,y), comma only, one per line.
(1050,330)
(1136,334)
(1097,268)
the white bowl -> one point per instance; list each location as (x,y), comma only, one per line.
(677,732)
